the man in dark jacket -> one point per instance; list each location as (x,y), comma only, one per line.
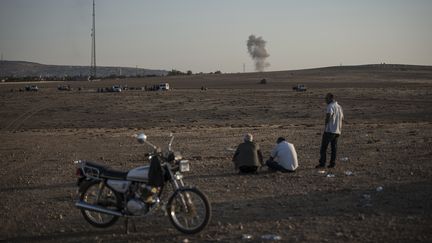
(248,157)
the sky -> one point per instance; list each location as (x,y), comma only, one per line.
(211,35)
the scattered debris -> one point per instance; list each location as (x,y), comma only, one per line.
(344,159)
(365,201)
(349,173)
(330,175)
(271,237)
(247,237)
(380,188)
(321,172)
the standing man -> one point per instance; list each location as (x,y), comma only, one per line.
(333,127)
(283,157)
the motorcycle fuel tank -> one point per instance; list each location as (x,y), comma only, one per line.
(139,174)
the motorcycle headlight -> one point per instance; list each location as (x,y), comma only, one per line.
(177,156)
(184,165)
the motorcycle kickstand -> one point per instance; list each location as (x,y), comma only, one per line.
(127,231)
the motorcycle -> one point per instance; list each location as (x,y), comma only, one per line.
(105,194)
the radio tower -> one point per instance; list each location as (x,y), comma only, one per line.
(93,47)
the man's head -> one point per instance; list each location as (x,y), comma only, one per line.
(248,137)
(329,98)
(280,140)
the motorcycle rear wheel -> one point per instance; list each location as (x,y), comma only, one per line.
(189,210)
(107,198)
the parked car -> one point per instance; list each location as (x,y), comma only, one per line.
(300,88)
(164,86)
(31,88)
(116,88)
(64,87)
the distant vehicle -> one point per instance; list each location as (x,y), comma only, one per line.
(164,86)
(116,88)
(64,87)
(31,88)
(300,88)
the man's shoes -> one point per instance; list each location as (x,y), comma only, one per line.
(320,166)
(332,165)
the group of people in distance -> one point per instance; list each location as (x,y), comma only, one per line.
(248,157)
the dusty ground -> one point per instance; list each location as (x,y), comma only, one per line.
(387,140)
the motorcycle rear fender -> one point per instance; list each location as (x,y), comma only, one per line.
(82,182)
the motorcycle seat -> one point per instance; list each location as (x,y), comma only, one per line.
(106,172)
(114,174)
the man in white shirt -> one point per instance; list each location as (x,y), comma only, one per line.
(332,131)
(283,157)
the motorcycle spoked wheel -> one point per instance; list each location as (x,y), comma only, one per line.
(189,210)
(107,198)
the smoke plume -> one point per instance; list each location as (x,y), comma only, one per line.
(258,52)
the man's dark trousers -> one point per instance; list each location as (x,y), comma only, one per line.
(327,138)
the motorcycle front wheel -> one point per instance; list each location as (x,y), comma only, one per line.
(99,195)
(189,210)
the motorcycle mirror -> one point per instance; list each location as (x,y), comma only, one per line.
(142,138)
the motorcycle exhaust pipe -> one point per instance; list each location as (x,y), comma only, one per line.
(90,207)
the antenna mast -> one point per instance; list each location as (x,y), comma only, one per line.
(93,47)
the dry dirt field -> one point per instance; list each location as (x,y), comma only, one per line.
(387,140)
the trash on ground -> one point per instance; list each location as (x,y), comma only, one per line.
(230,149)
(349,173)
(321,171)
(271,237)
(380,188)
(247,237)
(330,175)
(345,159)
(365,201)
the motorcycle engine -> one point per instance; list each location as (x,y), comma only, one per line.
(136,206)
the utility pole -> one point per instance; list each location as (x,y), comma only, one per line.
(93,49)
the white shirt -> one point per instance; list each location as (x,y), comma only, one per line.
(285,154)
(336,116)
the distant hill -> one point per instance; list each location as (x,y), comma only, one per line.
(25,69)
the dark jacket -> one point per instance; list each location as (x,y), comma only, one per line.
(248,154)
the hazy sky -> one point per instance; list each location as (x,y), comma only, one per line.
(210,35)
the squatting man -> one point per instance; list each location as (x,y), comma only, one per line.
(248,156)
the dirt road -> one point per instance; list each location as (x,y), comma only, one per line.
(386,142)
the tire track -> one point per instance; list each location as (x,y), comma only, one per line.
(20,120)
